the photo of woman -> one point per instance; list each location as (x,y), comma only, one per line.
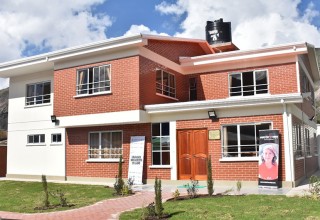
(268,165)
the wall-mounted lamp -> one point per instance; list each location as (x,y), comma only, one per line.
(53,118)
(212,115)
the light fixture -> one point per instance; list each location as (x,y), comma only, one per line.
(53,118)
(212,115)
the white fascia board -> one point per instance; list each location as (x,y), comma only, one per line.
(110,118)
(224,103)
(313,63)
(233,56)
(8,69)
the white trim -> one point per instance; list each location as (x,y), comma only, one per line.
(38,105)
(160,167)
(40,144)
(223,103)
(109,160)
(109,118)
(233,159)
(288,148)
(93,94)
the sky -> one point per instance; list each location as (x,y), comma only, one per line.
(31,27)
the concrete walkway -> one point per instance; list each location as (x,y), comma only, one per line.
(111,209)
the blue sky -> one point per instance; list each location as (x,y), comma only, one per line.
(36,26)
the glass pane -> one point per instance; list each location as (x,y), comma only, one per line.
(54,138)
(165,129)
(247,83)
(165,143)
(30,139)
(105,140)
(116,140)
(36,139)
(165,158)
(59,138)
(247,135)
(82,84)
(156,158)
(94,145)
(30,90)
(156,129)
(96,74)
(235,87)
(108,74)
(155,143)
(232,138)
(261,77)
(266,126)
(42,138)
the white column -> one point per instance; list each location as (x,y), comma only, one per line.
(173,150)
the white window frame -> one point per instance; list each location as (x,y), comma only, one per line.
(160,87)
(239,157)
(90,85)
(298,151)
(37,100)
(307,142)
(56,142)
(254,81)
(160,150)
(101,157)
(33,143)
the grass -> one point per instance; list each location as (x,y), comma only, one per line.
(238,207)
(16,196)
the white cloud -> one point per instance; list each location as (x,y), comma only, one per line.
(137,29)
(46,25)
(255,23)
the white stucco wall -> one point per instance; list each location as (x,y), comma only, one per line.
(24,159)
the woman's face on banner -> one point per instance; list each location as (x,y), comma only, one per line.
(268,155)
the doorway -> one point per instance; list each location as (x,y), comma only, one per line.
(192,154)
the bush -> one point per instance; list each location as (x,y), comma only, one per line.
(314,187)
(46,202)
(119,184)
(158,198)
(192,189)
(209,177)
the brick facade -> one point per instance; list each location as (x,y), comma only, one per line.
(77,153)
(246,171)
(3,161)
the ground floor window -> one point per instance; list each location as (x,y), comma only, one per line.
(161,144)
(105,144)
(56,138)
(242,140)
(36,139)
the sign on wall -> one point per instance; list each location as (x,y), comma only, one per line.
(136,159)
(269,158)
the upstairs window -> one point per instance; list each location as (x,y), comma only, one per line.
(38,93)
(165,83)
(193,89)
(248,83)
(93,80)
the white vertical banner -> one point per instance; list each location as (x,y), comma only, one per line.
(136,159)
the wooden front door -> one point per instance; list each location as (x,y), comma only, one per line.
(192,154)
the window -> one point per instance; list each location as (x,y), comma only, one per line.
(298,141)
(315,144)
(248,83)
(242,140)
(161,144)
(93,80)
(307,88)
(55,138)
(193,89)
(165,83)
(105,145)
(307,137)
(38,93)
(36,139)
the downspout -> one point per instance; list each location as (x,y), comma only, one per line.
(287,134)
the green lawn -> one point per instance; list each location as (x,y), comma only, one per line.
(239,207)
(16,196)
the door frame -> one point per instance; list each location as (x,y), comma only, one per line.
(178,147)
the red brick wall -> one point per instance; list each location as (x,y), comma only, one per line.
(174,50)
(124,88)
(3,161)
(214,85)
(299,169)
(148,84)
(311,165)
(245,171)
(77,153)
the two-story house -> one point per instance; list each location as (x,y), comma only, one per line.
(162,88)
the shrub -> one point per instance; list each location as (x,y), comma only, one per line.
(158,197)
(46,202)
(192,189)
(61,196)
(119,184)
(176,194)
(209,177)
(239,186)
(314,187)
